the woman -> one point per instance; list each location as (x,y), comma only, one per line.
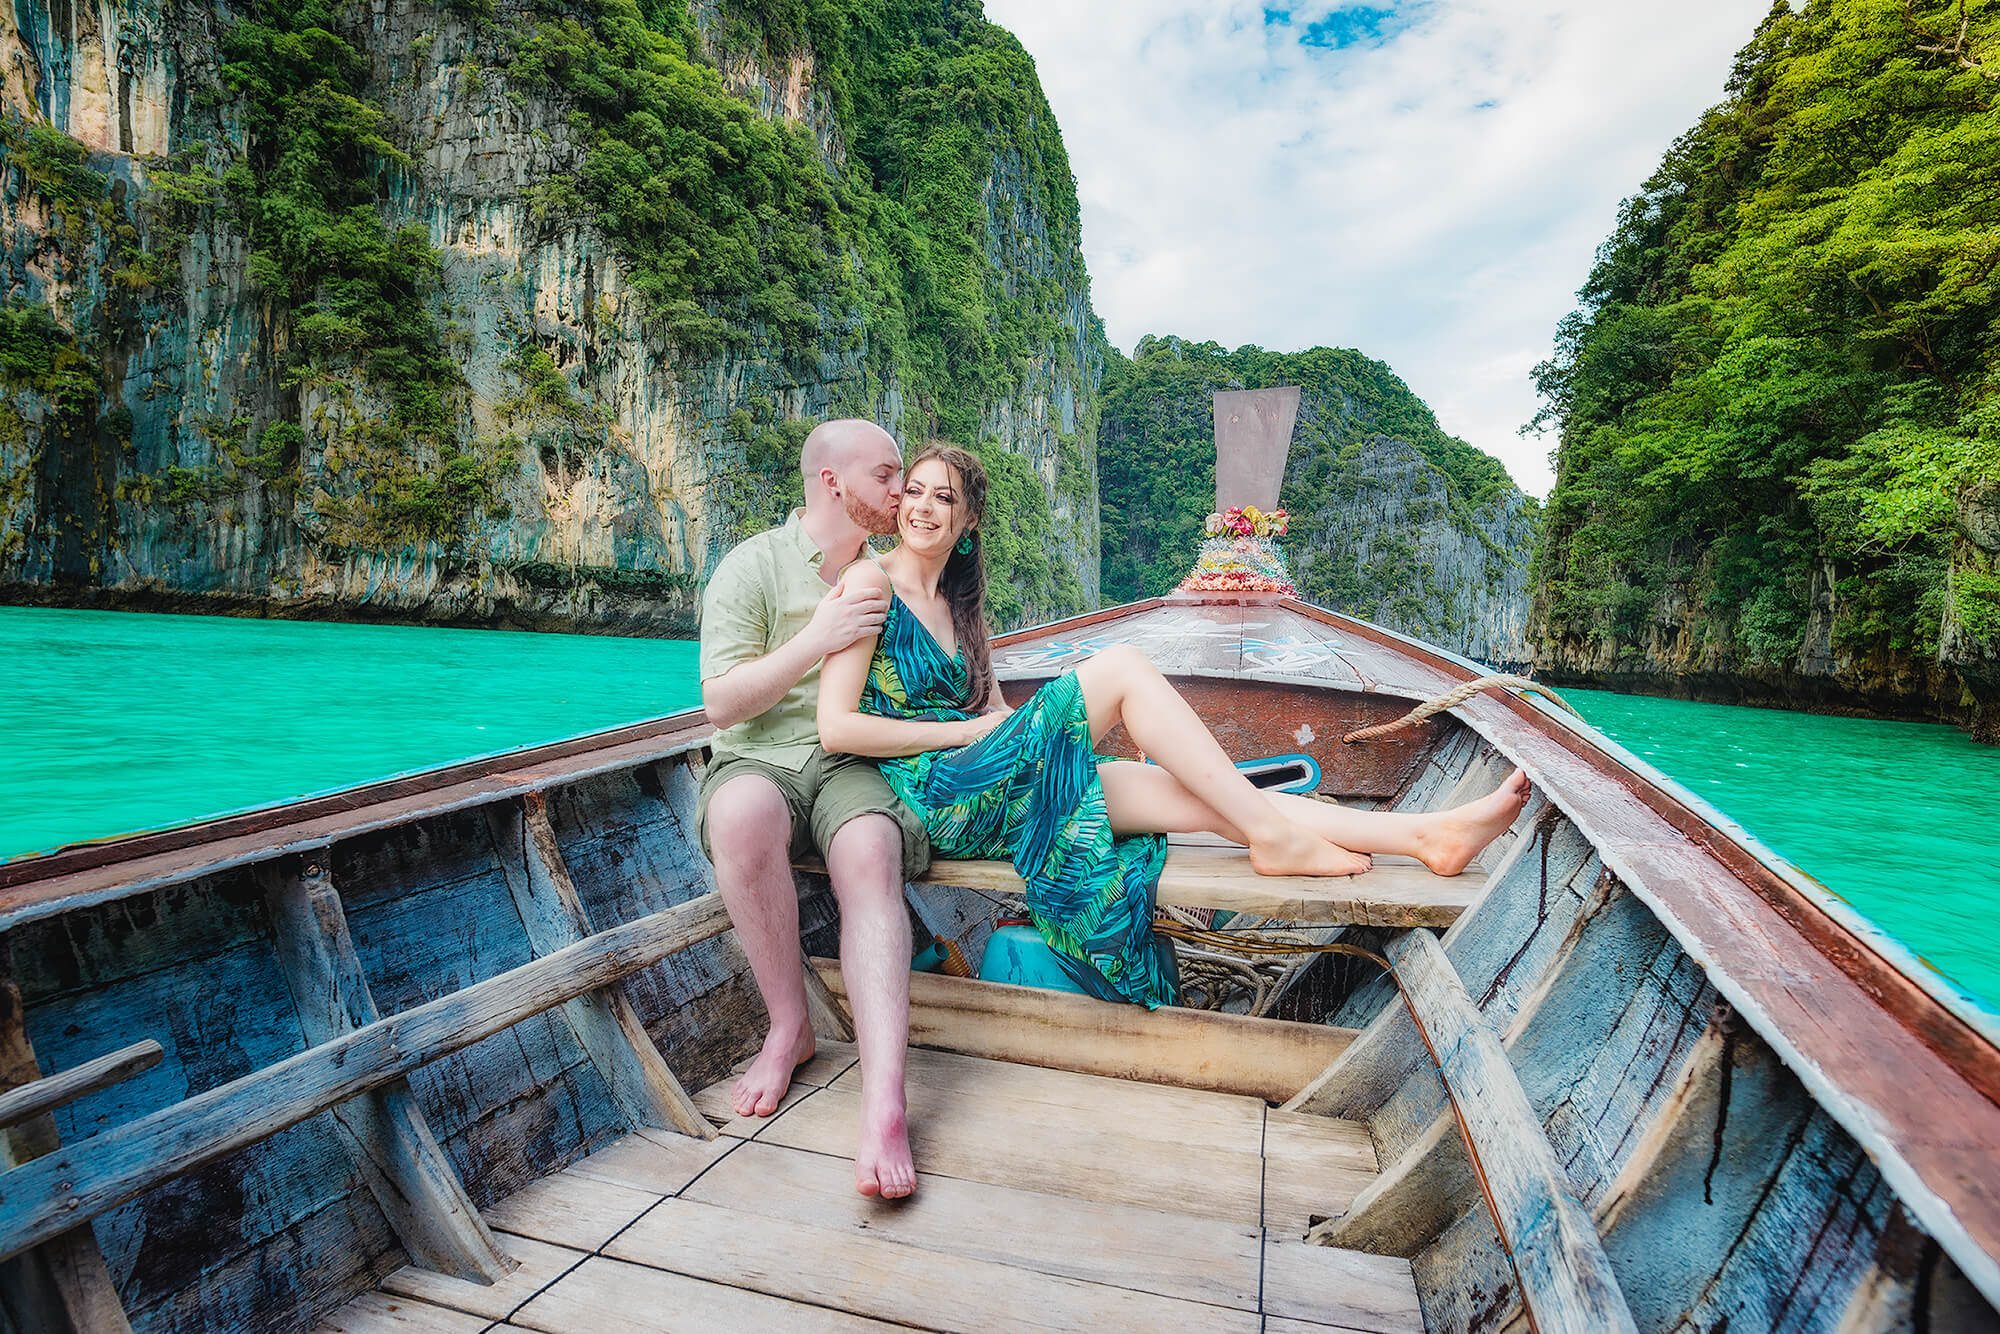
(1025,785)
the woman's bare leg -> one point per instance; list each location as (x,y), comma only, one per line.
(1146,799)
(1122,685)
(1444,841)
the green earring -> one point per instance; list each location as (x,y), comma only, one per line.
(965,544)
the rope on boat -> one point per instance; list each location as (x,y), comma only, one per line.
(1453,698)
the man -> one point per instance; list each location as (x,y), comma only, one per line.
(771,611)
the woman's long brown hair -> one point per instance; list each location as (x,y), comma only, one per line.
(964,580)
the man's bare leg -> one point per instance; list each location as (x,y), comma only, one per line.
(865,863)
(749,840)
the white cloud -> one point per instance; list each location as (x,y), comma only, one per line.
(1432,196)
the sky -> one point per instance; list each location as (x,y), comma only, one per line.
(1426,180)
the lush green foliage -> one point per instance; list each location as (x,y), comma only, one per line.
(1156,452)
(739,232)
(1787,357)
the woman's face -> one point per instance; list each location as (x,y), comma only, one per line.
(932,514)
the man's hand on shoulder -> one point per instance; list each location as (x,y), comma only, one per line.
(851,610)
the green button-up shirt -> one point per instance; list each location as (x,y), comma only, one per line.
(762,594)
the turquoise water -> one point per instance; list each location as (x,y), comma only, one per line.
(1900,819)
(113,722)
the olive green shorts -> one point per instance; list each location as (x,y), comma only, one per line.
(823,796)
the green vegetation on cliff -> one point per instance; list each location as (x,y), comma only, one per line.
(1156,452)
(1784,381)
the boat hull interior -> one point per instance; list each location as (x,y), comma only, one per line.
(449,1052)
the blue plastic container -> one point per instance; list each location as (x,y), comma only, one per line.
(1020,957)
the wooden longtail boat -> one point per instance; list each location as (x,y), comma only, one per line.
(414,1057)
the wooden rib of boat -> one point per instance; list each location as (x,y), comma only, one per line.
(442,1054)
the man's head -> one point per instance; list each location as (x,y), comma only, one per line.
(855,467)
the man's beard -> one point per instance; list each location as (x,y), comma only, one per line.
(867,518)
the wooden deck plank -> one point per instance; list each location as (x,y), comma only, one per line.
(1172,1115)
(381,1313)
(540,1265)
(571,1209)
(714,1104)
(1190,1049)
(603,1296)
(1399,892)
(1348,1290)
(1169,1255)
(887,1280)
(660,1162)
(1313,1166)
(1033,1146)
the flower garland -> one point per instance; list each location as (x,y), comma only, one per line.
(1247,521)
(1244,562)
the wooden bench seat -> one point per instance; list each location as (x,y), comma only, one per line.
(1399,892)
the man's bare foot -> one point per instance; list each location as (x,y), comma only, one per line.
(1462,832)
(1293,850)
(763,1085)
(882,1163)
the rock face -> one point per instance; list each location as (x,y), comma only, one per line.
(1392,520)
(1393,543)
(165,443)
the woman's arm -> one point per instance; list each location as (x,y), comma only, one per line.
(844,728)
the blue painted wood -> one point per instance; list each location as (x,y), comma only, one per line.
(192,968)
(1566,1280)
(53,1193)
(383,1130)
(431,914)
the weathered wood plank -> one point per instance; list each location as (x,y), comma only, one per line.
(52,1194)
(1039,1147)
(571,1209)
(541,1264)
(853,1271)
(1226,1053)
(1500,948)
(1413,1199)
(380,1313)
(604,1021)
(1566,1280)
(61,1286)
(1345,1289)
(383,1131)
(42,1096)
(603,1295)
(1313,1165)
(1174,1116)
(1400,891)
(1167,1254)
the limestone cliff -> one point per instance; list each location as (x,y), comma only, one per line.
(484,315)
(1392,520)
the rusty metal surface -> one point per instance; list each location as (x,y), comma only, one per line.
(1253,434)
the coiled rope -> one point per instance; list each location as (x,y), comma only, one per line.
(1454,697)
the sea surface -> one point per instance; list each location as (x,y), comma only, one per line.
(1902,820)
(113,722)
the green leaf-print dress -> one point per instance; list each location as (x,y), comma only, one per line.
(1028,792)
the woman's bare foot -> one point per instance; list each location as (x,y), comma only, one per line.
(763,1085)
(1462,832)
(882,1164)
(1293,850)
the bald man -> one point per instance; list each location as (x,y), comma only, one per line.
(773,609)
